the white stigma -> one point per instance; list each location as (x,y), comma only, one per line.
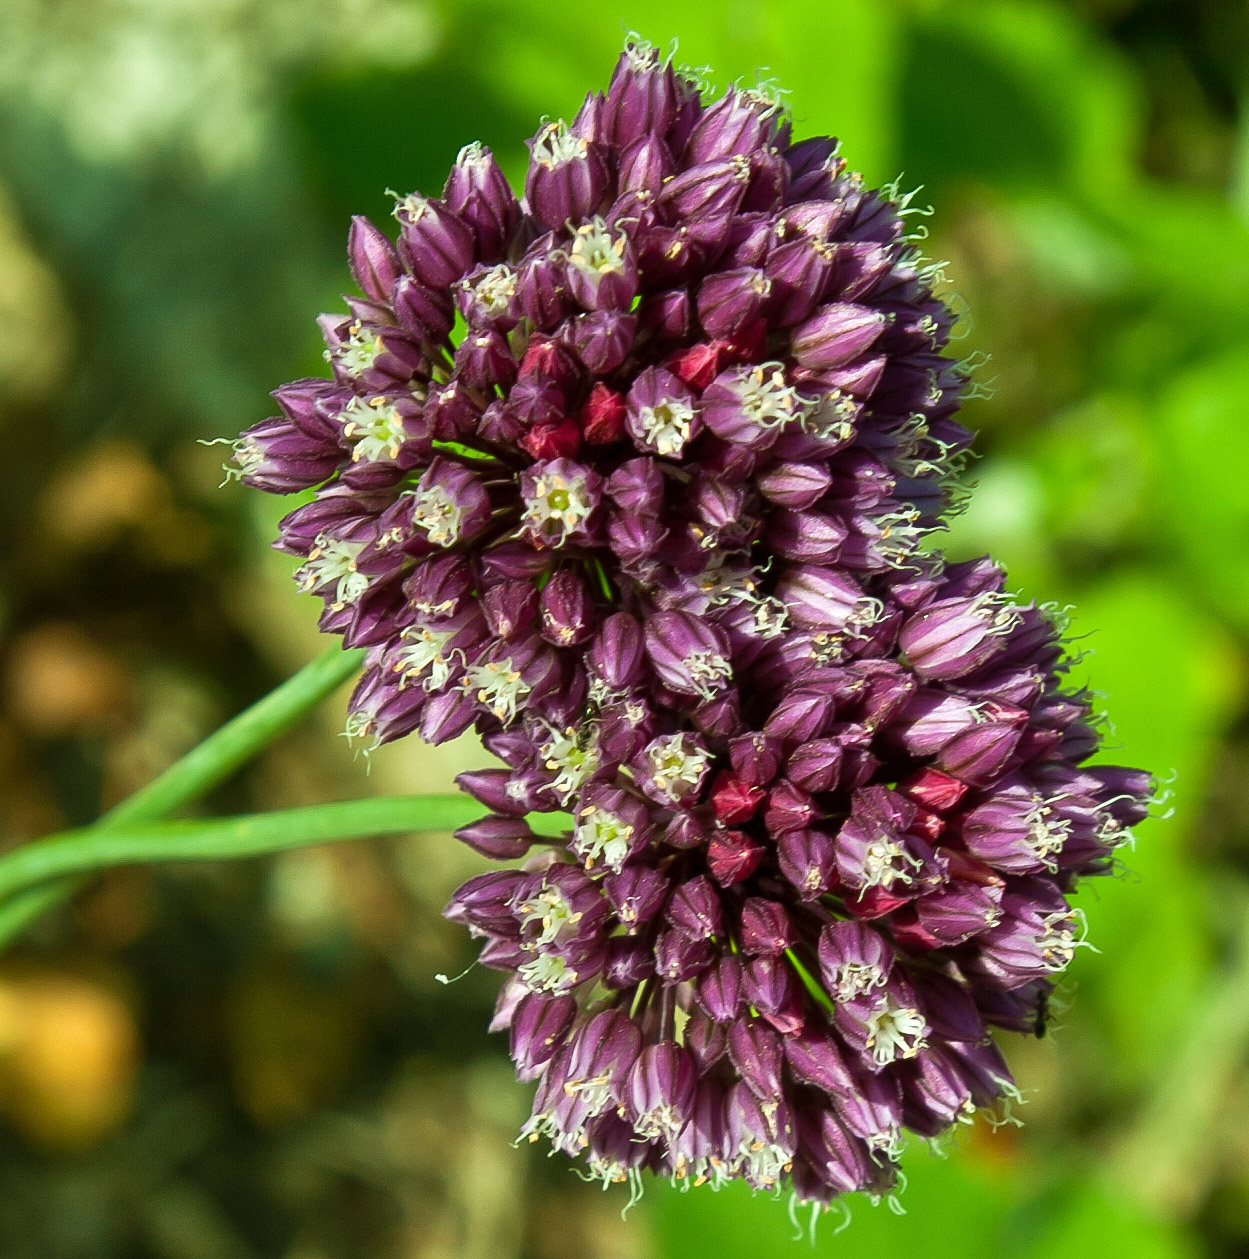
(375,426)
(895,1031)
(556,507)
(556,144)
(601,838)
(438,514)
(332,561)
(854,978)
(677,766)
(1046,834)
(596,249)
(831,418)
(667,425)
(498,685)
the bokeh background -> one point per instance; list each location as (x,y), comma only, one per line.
(254,1061)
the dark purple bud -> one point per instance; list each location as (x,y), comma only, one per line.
(756,758)
(706,1040)
(636,894)
(510,608)
(741,122)
(568,614)
(484,902)
(615,658)
(421,311)
(434,242)
(934,1093)
(768,984)
(808,860)
(659,1093)
(799,272)
(629,962)
(694,909)
(499,838)
(815,765)
(729,299)
(789,809)
(755,1050)
(949,1007)
(667,315)
(812,537)
(478,191)
(643,95)
(766,928)
(483,360)
(567,176)
(678,958)
(719,990)
(446,717)
(842,1162)
(603,339)
(978,755)
(542,289)
(794,485)
(804,714)
(374,263)
(644,165)
(836,334)
(540,1028)
(497,789)
(439,587)
(708,192)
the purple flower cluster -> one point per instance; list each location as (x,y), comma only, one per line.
(631,476)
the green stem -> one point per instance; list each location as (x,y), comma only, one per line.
(809,982)
(206,765)
(91,849)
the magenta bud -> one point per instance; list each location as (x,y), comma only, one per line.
(434,242)
(694,909)
(539,1028)
(766,927)
(718,991)
(499,838)
(636,894)
(755,1050)
(374,263)
(478,191)
(567,176)
(615,658)
(836,334)
(659,1093)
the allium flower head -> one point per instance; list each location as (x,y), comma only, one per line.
(631,476)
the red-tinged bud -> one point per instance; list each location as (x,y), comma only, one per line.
(602,416)
(553,441)
(732,857)
(734,801)
(933,789)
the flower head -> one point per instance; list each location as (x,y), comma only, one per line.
(652,526)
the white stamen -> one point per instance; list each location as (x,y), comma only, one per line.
(557,507)
(497,684)
(597,250)
(886,862)
(438,514)
(494,291)
(358,352)
(677,766)
(574,755)
(547,972)
(331,560)
(555,144)
(376,426)
(422,656)
(603,837)
(767,400)
(666,426)
(895,1031)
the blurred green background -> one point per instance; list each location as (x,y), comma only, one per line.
(254,1061)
